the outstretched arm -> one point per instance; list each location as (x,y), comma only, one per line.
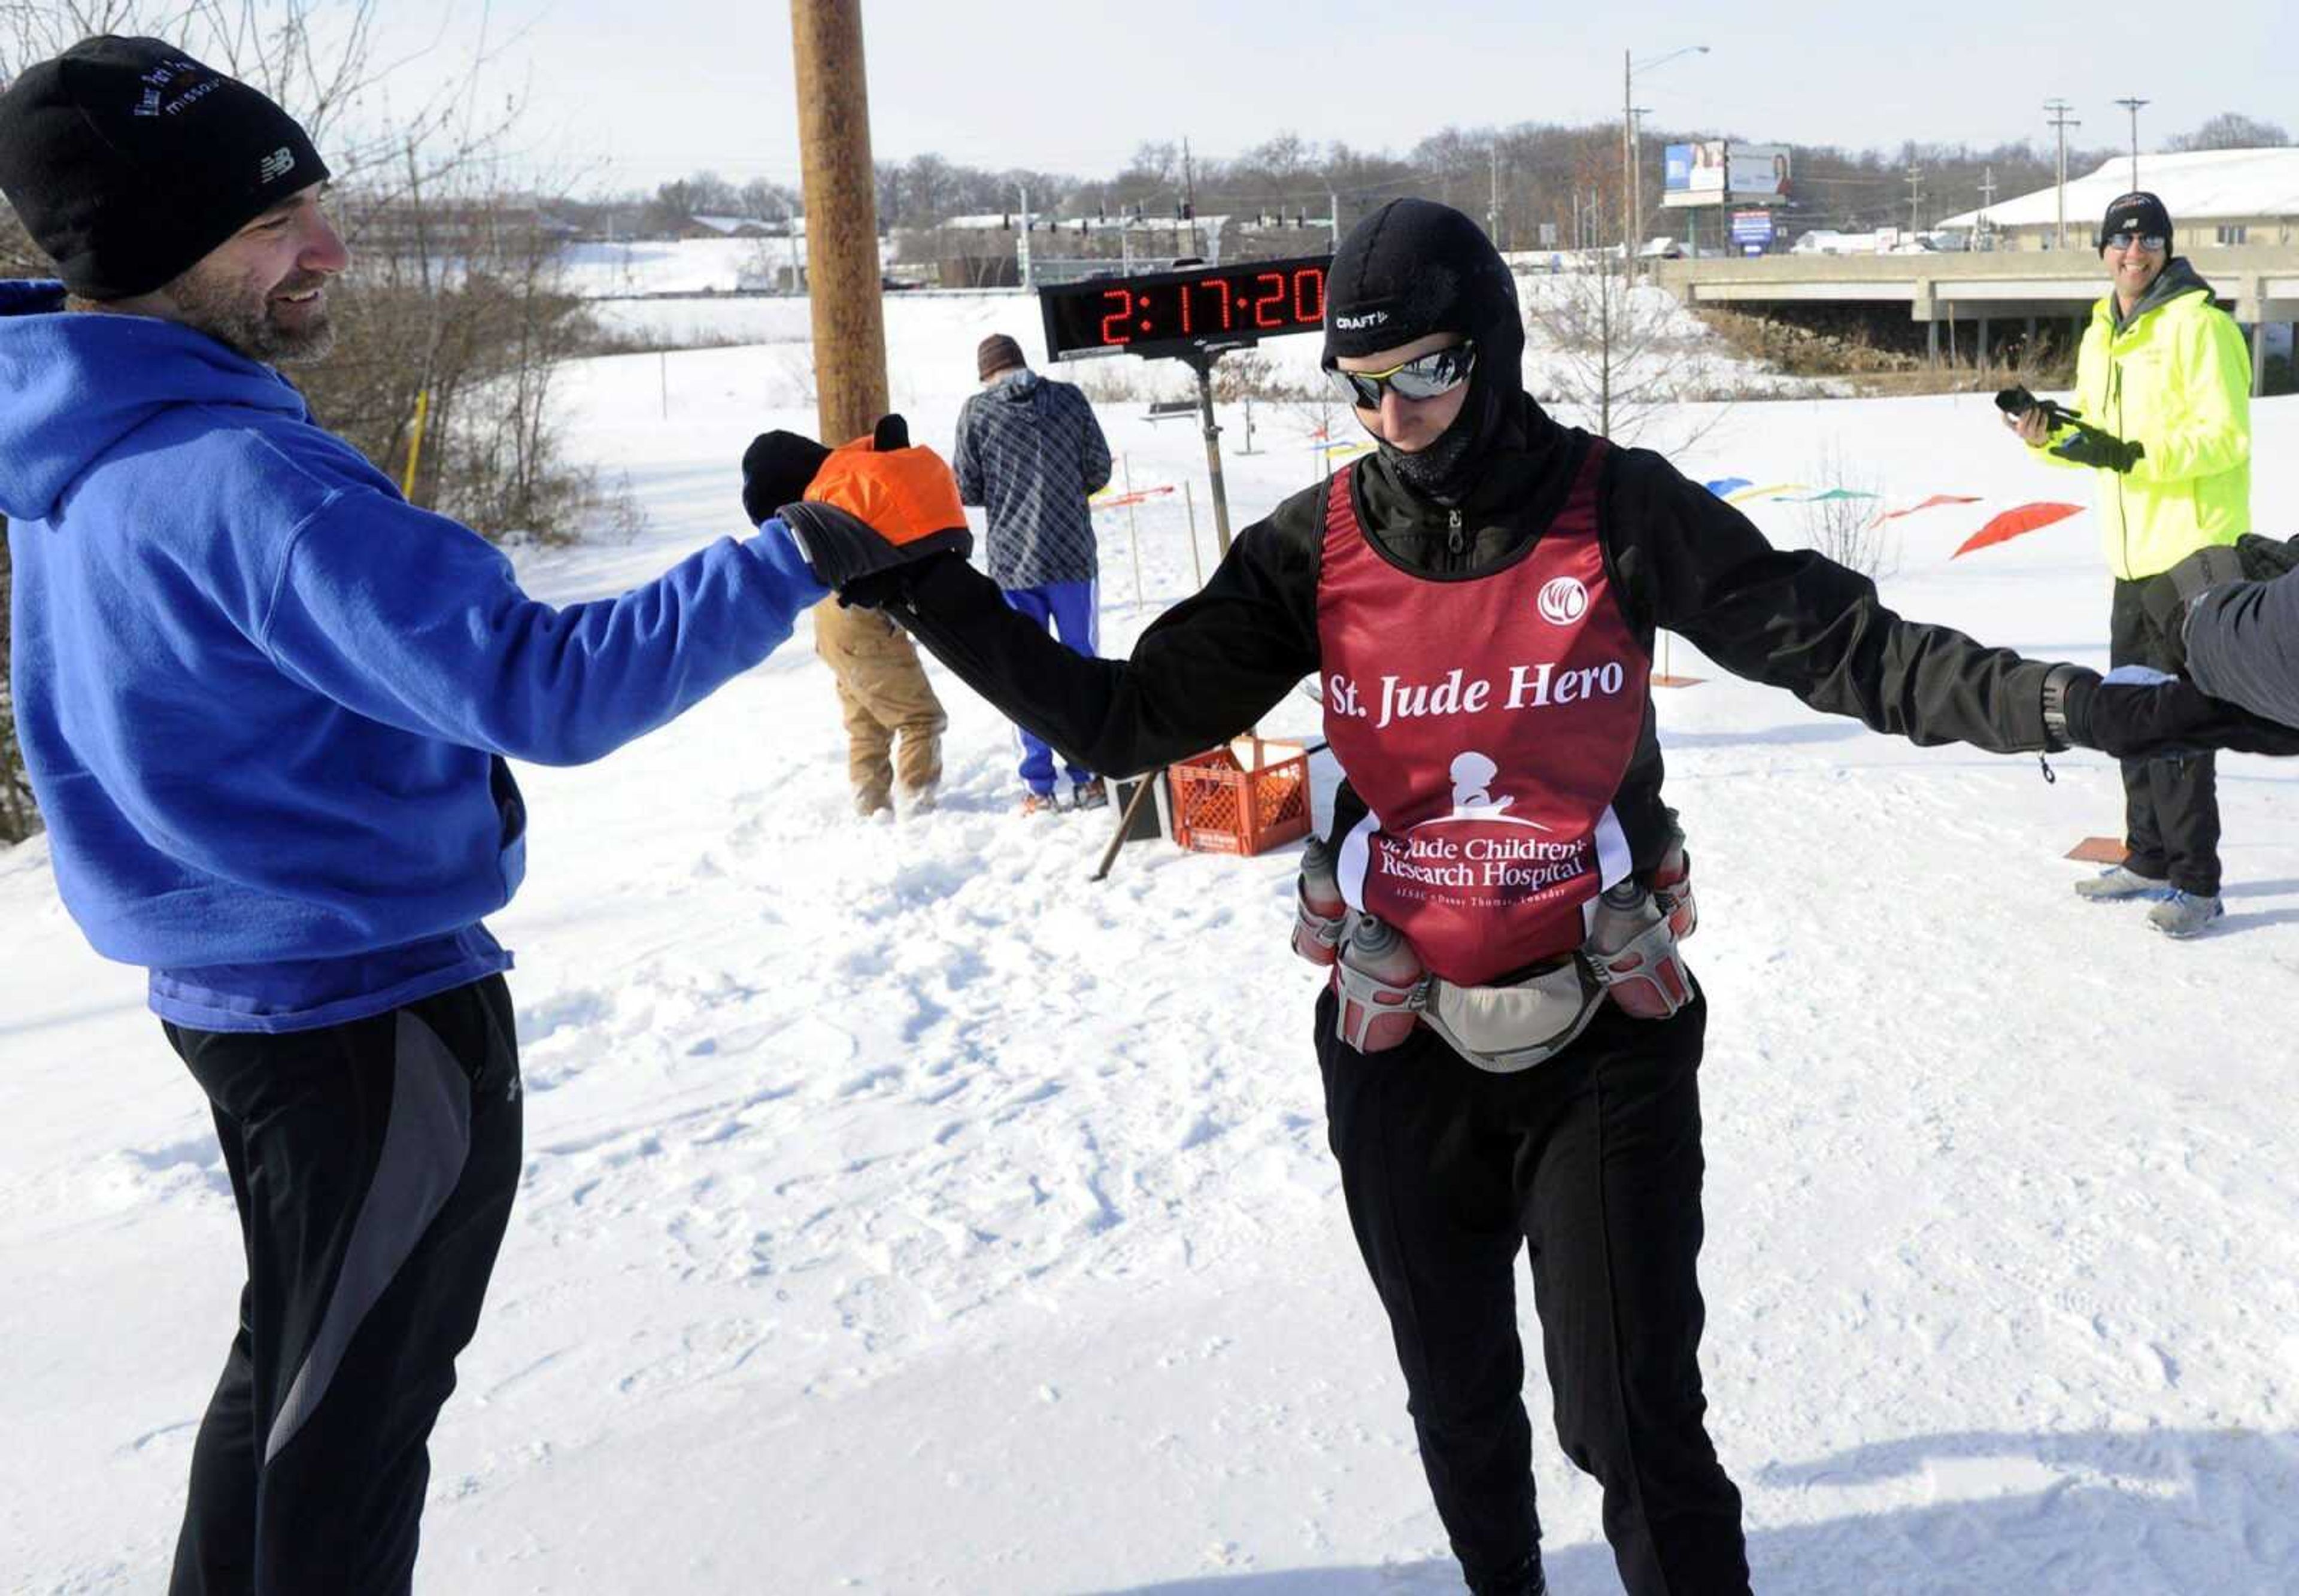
(1793,619)
(1204,671)
(461,654)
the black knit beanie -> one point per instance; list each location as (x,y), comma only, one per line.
(2139,211)
(128,161)
(1413,268)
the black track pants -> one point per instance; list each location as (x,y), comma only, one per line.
(374,1165)
(2170,803)
(1593,1159)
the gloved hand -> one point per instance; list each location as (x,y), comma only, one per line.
(2088,445)
(872,508)
(2264,559)
(2137,712)
(2166,597)
(893,589)
(776,468)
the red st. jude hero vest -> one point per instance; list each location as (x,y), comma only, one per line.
(1486,721)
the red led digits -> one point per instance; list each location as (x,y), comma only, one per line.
(1220,289)
(1310,308)
(1269,310)
(1113,325)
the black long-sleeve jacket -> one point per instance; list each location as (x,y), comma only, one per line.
(1682,558)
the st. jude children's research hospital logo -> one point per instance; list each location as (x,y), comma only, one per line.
(1483,861)
(1477,851)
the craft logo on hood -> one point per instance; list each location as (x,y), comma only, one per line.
(1562,601)
(1359,323)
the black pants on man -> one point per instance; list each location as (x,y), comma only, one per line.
(2172,804)
(1594,1160)
(374,1165)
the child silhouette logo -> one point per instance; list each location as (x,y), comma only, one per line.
(1473,776)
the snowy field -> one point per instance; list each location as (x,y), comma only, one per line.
(903,1213)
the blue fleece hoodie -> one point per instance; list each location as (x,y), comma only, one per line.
(265,703)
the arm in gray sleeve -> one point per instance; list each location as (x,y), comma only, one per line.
(1094,461)
(2243,646)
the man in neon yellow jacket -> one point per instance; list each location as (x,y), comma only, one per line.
(2163,398)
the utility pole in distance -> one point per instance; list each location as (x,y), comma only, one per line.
(2133,105)
(841,216)
(1915,199)
(2061,121)
(1493,206)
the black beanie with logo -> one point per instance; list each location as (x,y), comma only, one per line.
(128,161)
(1414,267)
(2139,211)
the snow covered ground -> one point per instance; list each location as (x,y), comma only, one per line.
(904,1213)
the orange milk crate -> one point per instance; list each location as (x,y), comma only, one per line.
(1252,795)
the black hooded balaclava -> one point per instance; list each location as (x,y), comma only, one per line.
(1413,268)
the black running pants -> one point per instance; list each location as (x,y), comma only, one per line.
(1593,1162)
(2171,803)
(374,1165)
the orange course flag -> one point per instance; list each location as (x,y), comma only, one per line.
(2014,523)
(905,496)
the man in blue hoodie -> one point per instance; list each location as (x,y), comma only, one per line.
(266,705)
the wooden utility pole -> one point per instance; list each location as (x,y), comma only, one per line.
(841,216)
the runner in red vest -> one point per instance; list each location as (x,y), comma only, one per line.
(1510,1042)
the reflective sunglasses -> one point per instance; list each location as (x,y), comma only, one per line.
(1424,377)
(2153,243)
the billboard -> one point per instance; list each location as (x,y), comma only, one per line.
(1693,169)
(1715,173)
(1758,170)
(1751,228)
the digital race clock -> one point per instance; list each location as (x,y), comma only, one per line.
(1180,312)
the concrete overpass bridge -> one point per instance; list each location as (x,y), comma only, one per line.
(1971,296)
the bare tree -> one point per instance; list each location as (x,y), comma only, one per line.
(2231,130)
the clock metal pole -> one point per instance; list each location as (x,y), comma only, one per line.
(1203,361)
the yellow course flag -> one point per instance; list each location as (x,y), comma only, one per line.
(415,444)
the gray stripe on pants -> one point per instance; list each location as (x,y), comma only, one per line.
(425,1146)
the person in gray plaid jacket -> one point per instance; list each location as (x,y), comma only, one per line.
(1029,453)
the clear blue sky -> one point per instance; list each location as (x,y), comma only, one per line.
(632,94)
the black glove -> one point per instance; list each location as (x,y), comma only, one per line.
(2089,445)
(894,590)
(2264,559)
(777,467)
(2166,597)
(2146,714)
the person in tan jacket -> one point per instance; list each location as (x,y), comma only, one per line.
(893,720)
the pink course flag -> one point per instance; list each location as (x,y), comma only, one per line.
(1936,499)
